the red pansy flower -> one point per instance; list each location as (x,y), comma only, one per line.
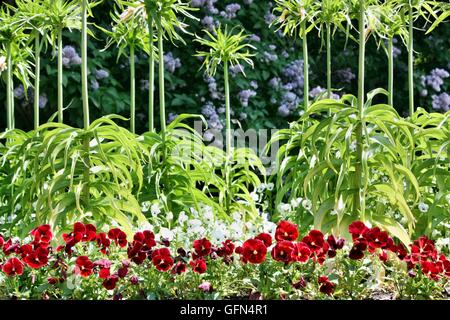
(118,236)
(90,233)
(376,238)
(314,240)
(356,229)
(2,241)
(37,258)
(202,247)
(84,266)
(282,251)
(42,234)
(227,249)
(301,252)
(110,282)
(147,238)
(326,286)
(254,251)
(431,269)
(13,267)
(266,238)
(10,247)
(103,242)
(122,272)
(286,231)
(179,268)
(198,265)
(423,249)
(162,259)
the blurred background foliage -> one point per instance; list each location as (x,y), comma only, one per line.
(269,96)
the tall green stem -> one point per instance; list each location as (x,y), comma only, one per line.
(84,68)
(132,92)
(359,129)
(85,98)
(228,134)
(151,80)
(391,72)
(411,62)
(60,78)
(305,65)
(9,89)
(37,73)
(328,61)
(162,105)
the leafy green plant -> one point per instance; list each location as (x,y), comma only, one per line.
(294,18)
(129,31)
(320,158)
(225,47)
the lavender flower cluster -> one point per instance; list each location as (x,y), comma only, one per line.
(28,98)
(291,84)
(171,63)
(435,79)
(441,102)
(70,57)
(230,11)
(212,116)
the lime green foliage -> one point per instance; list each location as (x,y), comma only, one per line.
(47,174)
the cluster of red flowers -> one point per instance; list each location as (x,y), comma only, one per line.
(423,253)
(35,254)
(286,249)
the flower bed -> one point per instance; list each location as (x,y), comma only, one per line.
(92,264)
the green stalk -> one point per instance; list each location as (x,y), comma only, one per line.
(328,61)
(305,65)
(162,106)
(9,89)
(391,73)
(359,128)
(84,69)
(132,92)
(411,62)
(60,78)
(151,80)
(228,134)
(37,73)
(85,97)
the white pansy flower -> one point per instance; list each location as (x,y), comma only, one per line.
(423,207)
(182,217)
(284,207)
(270,186)
(155,210)
(145,206)
(169,216)
(236,215)
(295,203)
(307,204)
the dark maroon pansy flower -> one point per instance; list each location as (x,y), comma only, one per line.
(162,259)
(202,247)
(198,265)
